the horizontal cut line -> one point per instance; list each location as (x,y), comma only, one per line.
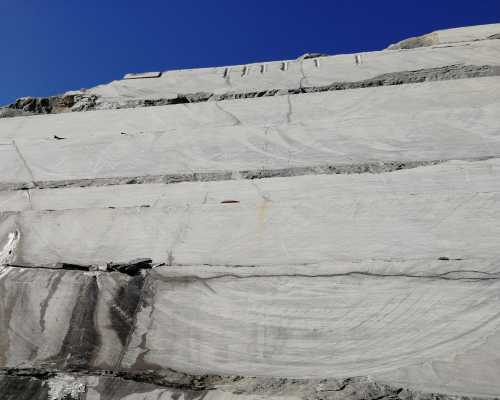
(89,102)
(324,169)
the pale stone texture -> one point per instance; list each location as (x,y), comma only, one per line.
(334,245)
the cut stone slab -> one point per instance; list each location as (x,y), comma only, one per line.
(307,72)
(313,229)
(142,75)
(309,130)
(277,221)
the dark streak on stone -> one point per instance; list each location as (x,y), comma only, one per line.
(38,373)
(5,316)
(147,300)
(82,339)
(458,275)
(375,167)
(132,268)
(23,388)
(124,307)
(44,304)
(73,267)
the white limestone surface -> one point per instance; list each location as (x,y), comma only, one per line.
(384,266)
(12,166)
(457,177)
(357,106)
(301,323)
(309,72)
(428,121)
(297,220)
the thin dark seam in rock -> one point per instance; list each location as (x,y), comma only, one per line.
(454,275)
(87,102)
(324,169)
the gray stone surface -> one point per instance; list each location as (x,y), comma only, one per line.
(449,36)
(322,228)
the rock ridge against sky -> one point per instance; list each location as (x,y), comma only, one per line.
(320,228)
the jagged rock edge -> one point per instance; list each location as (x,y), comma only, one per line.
(88,102)
(313,389)
(131,268)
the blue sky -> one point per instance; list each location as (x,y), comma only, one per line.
(48,47)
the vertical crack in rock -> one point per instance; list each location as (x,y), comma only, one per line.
(236,120)
(303,75)
(289,112)
(25,163)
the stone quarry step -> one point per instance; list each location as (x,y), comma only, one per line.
(323,228)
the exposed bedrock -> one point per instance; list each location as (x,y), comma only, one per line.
(48,105)
(117,337)
(96,385)
(86,102)
(66,319)
(264,232)
(388,79)
(344,169)
(164,318)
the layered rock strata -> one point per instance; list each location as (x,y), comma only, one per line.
(322,228)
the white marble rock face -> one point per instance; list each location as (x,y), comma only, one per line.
(322,228)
